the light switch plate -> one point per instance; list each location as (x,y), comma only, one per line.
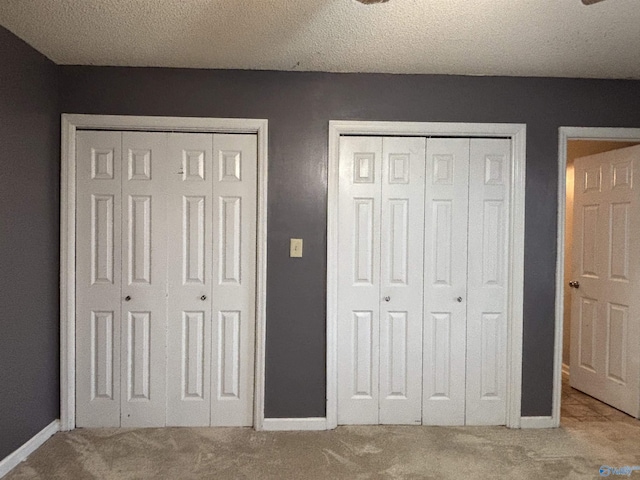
(295,248)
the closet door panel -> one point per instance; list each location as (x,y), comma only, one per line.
(234,210)
(401,280)
(445,281)
(144,284)
(189,262)
(359,206)
(98,278)
(488,283)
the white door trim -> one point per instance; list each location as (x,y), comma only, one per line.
(566,134)
(517,134)
(70,124)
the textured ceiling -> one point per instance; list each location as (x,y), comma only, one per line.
(559,38)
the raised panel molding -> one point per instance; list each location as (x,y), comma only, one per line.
(442,254)
(592,180)
(494,170)
(192,355)
(619,244)
(101,164)
(398,329)
(587,326)
(139,162)
(102,355)
(490,355)
(363,168)
(399,168)
(617,323)
(139,239)
(139,349)
(440,377)
(590,214)
(230,166)
(363,268)
(363,354)
(229,351)
(399,226)
(102,239)
(622,175)
(493,243)
(193,165)
(443,169)
(230,219)
(193,242)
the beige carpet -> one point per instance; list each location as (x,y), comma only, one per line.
(575,451)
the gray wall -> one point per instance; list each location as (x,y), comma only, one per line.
(298,107)
(29,241)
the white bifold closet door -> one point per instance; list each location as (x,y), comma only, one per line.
(380,283)
(452,295)
(165,281)
(466,259)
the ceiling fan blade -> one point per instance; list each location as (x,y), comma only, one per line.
(590,2)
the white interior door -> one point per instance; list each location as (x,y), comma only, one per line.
(605,331)
(445,281)
(165,283)
(380,301)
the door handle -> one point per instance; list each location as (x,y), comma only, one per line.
(574,284)
(387,299)
(459,299)
(203,298)
(127,298)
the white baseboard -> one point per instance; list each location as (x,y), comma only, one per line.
(9,463)
(565,368)
(284,424)
(537,422)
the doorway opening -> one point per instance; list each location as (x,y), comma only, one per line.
(595,224)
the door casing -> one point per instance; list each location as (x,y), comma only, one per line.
(566,134)
(517,134)
(70,124)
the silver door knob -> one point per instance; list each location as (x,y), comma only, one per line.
(127,298)
(387,299)
(459,299)
(203,298)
